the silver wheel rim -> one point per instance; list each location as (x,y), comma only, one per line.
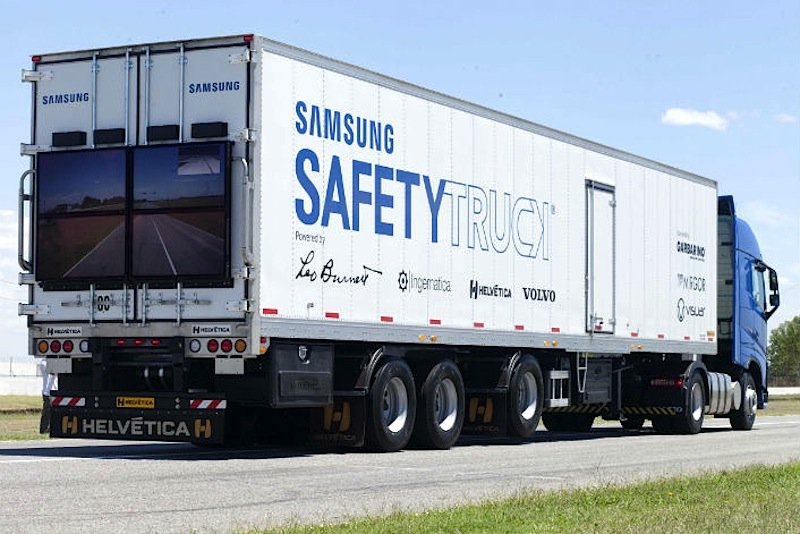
(395,405)
(696,401)
(445,405)
(750,401)
(527,397)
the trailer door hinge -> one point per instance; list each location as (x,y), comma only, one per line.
(36,75)
(245,273)
(244,57)
(243,306)
(27,279)
(33,309)
(32,150)
(247,135)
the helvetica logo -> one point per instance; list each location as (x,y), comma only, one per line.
(483,410)
(69,424)
(202,428)
(336,420)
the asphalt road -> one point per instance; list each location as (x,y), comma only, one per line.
(166,246)
(103,258)
(79,486)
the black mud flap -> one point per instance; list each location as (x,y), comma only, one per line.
(486,413)
(341,424)
(195,426)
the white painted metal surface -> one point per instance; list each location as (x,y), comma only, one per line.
(440,217)
(382,211)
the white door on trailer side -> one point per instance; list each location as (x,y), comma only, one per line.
(600,250)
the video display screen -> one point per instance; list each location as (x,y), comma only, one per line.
(140,212)
(81,206)
(179,220)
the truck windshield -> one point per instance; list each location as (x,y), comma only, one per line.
(136,213)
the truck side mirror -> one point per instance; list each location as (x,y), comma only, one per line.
(773,280)
(774,293)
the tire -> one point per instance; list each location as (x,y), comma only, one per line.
(745,416)
(694,404)
(663,425)
(440,412)
(568,422)
(632,422)
(391,407)
(525,398)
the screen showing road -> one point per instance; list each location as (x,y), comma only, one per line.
(179,222)
(81,207)
(147,212)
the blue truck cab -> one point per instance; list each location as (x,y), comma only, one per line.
(747,296)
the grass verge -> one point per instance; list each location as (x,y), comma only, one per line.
(783,405)
(20,403)
(19,417)
(761,499)
(19,427)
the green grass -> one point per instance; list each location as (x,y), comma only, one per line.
(784,405)
(19,417)
(755,499)
(20,403)
(20,426)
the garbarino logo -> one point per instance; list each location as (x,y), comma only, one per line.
(407,281)
(693,250)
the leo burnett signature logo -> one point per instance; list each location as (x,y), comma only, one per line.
(407,281)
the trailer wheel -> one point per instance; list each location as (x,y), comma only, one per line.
(525,398)
(568,422)
(632,422)
(691,420)
(440,414)
(745,416)
(662,424)
(391,408)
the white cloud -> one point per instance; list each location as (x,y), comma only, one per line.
(693,117)
(758,212)
(785,118)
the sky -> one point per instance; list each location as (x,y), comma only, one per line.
(709,87)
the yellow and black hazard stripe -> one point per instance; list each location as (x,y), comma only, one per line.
(650,410)
(628,410)
(585,408)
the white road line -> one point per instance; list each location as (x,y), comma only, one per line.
(91,251)
(169,259)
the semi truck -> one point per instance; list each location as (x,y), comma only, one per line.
(231,239)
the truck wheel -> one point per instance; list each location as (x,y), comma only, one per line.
(525,398)
(568,422)
(632,422)
(745,416)
(392,407)
(440,414)
(691,420)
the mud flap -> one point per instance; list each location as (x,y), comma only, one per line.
(486,413)
(207,426)
(342,423)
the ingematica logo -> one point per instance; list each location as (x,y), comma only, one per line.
(407,281)
(402,281)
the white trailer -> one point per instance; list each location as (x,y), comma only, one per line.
(229,231)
